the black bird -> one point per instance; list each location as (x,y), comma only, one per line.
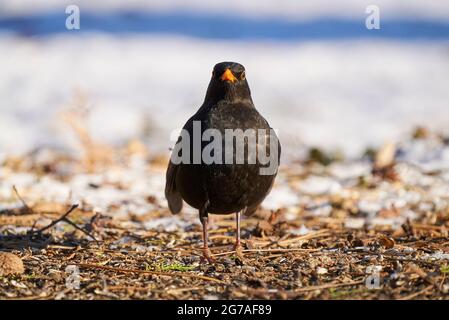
(223,188)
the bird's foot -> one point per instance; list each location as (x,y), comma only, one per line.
(239,253)
(207,256)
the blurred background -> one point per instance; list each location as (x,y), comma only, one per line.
(316,72)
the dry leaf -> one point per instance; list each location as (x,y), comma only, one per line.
(386,241)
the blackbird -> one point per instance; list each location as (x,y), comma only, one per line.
(223,187)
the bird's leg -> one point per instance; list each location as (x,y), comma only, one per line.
(204,221)
(206,251)
(237,231)
(238,246)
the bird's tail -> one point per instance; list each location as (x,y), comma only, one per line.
(172,195)
(250,210)
(174,200)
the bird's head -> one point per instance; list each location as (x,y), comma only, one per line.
(228,82)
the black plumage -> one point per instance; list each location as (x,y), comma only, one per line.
(220,188)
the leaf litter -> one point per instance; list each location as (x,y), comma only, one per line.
(319,235)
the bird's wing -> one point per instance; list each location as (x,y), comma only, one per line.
(172,194)
(250,210)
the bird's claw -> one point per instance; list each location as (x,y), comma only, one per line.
(239,253)
(207,256)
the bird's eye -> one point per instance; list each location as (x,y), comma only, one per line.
(242,75)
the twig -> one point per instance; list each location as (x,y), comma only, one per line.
(60,247)
(427,227)
(180,290)
(416,269)
(414,295)
(66,220)
(35,297)
(79,228)
(267,250)
(317,234)
(220,236)
(155,273)
(21,200)
(329,285)
(73,207)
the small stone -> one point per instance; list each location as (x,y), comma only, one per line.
(10,264)
(445,288)
(321,270)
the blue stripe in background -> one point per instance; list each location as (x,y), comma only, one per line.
(223,27)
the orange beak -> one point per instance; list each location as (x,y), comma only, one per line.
(228,76)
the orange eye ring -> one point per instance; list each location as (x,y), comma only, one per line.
(243,76)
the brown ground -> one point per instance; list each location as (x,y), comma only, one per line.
(323,244)
(128,261)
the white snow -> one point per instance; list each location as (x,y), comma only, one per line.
(318,93)
(280,195)
(316,185)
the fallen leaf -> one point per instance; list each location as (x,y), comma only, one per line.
(386,241)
